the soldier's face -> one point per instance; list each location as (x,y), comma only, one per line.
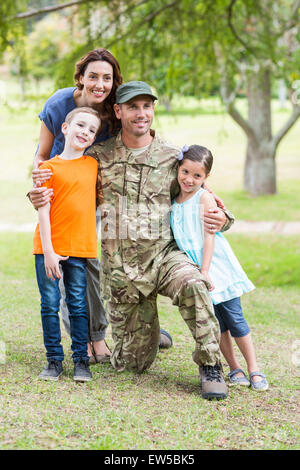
(136,115)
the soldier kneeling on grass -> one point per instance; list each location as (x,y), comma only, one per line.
(139,257)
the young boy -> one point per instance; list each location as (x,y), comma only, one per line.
(66,235)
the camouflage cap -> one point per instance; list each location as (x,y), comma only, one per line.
(129,90)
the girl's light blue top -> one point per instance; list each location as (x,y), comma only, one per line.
(226,273)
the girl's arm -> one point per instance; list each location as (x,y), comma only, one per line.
(207,202)
(51,259)
(219,219)
(217,199)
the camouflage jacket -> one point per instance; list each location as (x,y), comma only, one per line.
(135,212)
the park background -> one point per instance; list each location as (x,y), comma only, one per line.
(160,42)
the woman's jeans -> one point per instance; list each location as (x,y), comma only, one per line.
(74,271)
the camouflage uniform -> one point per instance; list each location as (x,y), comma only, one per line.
(140,259)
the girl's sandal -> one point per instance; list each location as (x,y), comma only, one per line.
(234,380)
(260,386)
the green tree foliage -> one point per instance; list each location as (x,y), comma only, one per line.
(47,44)
(241,45)
(190,47)
(10,29)
(263,45)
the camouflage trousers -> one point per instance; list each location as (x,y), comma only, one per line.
(135,327)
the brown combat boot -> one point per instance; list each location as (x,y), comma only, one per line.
(212,382)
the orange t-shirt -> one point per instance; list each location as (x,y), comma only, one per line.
(73,207)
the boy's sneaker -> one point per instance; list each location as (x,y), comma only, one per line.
(82,371)
(212,382)
(53,370)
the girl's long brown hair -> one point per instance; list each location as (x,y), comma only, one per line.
(107,111)
(197,153)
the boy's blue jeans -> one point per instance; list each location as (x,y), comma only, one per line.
(74,270)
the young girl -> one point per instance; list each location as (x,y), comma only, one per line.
(219,266)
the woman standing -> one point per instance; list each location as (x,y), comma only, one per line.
(97,76)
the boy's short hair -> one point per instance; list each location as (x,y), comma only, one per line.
(83,109)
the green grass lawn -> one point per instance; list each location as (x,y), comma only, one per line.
(161,408)
(283,206)
(269,260)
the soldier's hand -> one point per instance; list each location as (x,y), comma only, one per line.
(207,280)
(214,219)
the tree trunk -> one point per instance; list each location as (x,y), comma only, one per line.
(260,168)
